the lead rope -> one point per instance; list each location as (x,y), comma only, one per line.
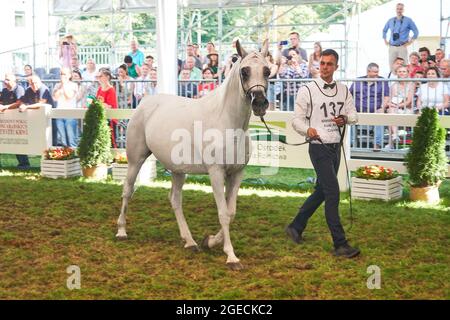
(341,143)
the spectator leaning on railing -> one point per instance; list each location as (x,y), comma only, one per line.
(400,99)
(65,95)
(433,94)
(10,98)
(141,88)
(205,87)
(187,89)
(36,94)
(371,96)
(398,62)
(124,88)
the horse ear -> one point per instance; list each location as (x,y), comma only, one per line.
(240,50)
(265,48)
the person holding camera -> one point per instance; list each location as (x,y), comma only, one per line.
(67,51)
(400,27)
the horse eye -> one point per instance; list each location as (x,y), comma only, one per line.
(266,72)
(245,72)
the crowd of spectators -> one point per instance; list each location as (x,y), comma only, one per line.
(126,85)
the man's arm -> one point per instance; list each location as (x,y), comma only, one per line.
(299,121)
(385,30)
(11,106)
(414,29)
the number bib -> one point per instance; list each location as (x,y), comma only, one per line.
(323,108)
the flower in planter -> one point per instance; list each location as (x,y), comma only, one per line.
(376,172)
(60,153)
(121,159)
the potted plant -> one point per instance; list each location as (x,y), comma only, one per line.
(95,145)
(58,162)
(120,168)
(376,182)
(426,160)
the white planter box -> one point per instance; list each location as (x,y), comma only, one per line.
(146,174)
(377,189)
(60,168)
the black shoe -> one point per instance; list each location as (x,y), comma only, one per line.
(294,235)
(346,251)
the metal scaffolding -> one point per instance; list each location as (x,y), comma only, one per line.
(263,21)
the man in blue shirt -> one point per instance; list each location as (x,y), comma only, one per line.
(400,27)
(136,54)
(371,96)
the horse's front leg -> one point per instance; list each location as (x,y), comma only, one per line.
(217,175)
(233,182)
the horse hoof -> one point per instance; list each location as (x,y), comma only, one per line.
(194,248)
(235,266)
(205,242)
(121,236)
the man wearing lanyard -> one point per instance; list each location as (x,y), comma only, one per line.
(321,108)
(400,27)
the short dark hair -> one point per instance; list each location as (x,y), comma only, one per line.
(149,57)
(425,49)
(399,58)
(331,52)
(128,59)
(373,65)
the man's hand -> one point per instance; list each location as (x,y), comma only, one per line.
(312,134)
(340,121)
(3,108)
(23,108)
(387,42)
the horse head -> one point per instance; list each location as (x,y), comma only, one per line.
(254,74)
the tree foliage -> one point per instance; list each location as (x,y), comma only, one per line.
(426,159)
(95,144)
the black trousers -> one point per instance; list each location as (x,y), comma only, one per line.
(325,160)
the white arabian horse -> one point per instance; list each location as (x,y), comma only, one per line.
(161,117)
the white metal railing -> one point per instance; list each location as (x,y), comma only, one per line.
(393,140)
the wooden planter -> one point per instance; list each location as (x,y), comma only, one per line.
(377,189)
(146,174)
(60,168)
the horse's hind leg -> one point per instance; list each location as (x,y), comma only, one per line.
(175,198)
(135,162)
